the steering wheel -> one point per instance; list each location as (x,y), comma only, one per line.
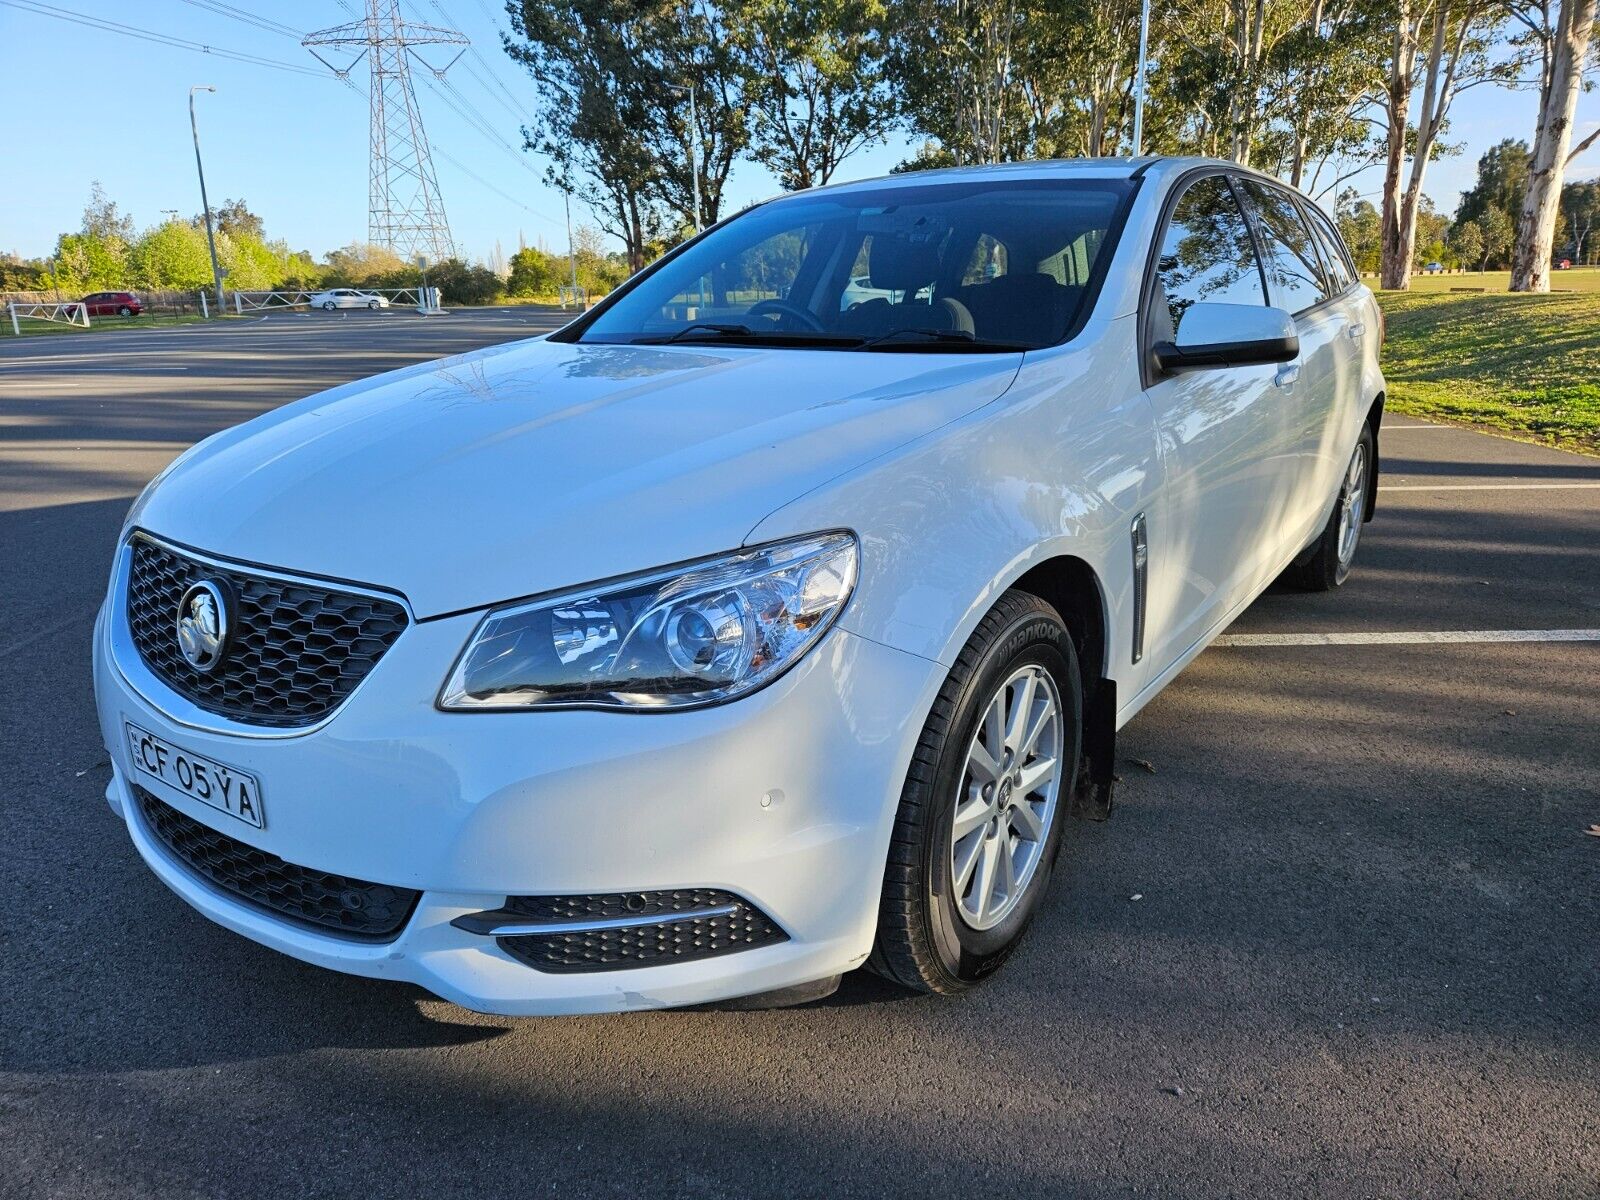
(782,309)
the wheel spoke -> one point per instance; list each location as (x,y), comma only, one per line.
(1031,738)
(994,725)
(1026,822)
(964,865)
(969,816)
(983,889)
(985,767)
(1021,711)
(1007,882)
(1036,775)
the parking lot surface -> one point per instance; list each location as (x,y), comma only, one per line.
(1341,937)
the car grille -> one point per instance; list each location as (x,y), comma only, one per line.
(296,651)
(684,939)
(332,903)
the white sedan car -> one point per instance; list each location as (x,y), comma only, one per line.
(347,298)
(668,659)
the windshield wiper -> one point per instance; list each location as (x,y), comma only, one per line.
(937,339)
(713,327)
(716,331)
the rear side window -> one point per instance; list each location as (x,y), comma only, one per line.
(1206,255)
(1333,258)
(1294,274)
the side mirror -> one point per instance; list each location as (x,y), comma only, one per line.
(1229,335)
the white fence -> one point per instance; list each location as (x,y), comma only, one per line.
(244,302)
(73,312)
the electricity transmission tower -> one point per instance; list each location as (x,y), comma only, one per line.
(404,209)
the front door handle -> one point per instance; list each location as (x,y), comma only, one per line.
(1356,331)
(1286,376)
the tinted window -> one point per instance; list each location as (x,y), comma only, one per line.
(1294,273)
(1333,258)
(1004,261)
(1206,253)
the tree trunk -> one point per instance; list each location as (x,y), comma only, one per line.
(1552,145)
(1394,259)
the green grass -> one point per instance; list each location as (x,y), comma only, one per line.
(1526,366)
(34,328)
(1579,279)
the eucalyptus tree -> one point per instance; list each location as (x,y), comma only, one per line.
(1564,50)
(614,113)
(818,88)
(954,62)
(595,112)
(1437,50)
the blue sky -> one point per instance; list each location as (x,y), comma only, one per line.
(86,104)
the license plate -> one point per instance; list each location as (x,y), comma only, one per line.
(226,789)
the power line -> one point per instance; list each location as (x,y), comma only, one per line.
(148,35)
(488,77)
(249,18)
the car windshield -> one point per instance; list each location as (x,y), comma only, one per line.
(996,264)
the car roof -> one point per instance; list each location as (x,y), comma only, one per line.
(1158,166)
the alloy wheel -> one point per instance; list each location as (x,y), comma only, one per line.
(1009,792)
(1353,505)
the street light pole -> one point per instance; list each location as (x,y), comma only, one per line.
(1138,95)
(694,163)
(211,239)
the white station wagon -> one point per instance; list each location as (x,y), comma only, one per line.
(760,624)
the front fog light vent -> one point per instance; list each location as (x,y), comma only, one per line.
(623,930)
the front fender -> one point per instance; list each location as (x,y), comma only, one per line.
(1059,465)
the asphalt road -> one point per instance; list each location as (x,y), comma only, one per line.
(1341,938)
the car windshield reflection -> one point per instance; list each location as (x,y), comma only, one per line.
(972,267)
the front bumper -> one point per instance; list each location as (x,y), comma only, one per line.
(785,797)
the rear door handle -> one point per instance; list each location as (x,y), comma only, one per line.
(1356,331)
(1286,376)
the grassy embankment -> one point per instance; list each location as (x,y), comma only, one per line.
(1527,366)
(29,327)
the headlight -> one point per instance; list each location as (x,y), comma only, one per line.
(693,635)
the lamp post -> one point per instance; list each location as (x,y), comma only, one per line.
(1138,94)
(694,164)
(211,240)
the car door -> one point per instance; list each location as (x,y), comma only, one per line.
(1221,431)
(1350,310)
(1295,283)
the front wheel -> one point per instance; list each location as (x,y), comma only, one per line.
(372,304)
(124,311)
(1327,564)
(328,306)
(981,813)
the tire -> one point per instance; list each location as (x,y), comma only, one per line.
(929,938)
(373,305)
(328,306)
(1327,564)
(124,311)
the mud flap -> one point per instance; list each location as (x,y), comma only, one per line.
(1092,797)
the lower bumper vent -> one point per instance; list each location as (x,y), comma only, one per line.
(623,930)
(331,903)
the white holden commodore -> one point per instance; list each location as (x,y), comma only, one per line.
(760,624)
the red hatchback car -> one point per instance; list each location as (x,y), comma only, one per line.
(113,304)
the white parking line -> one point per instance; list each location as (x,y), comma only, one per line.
(1482,487)
(1419,638)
